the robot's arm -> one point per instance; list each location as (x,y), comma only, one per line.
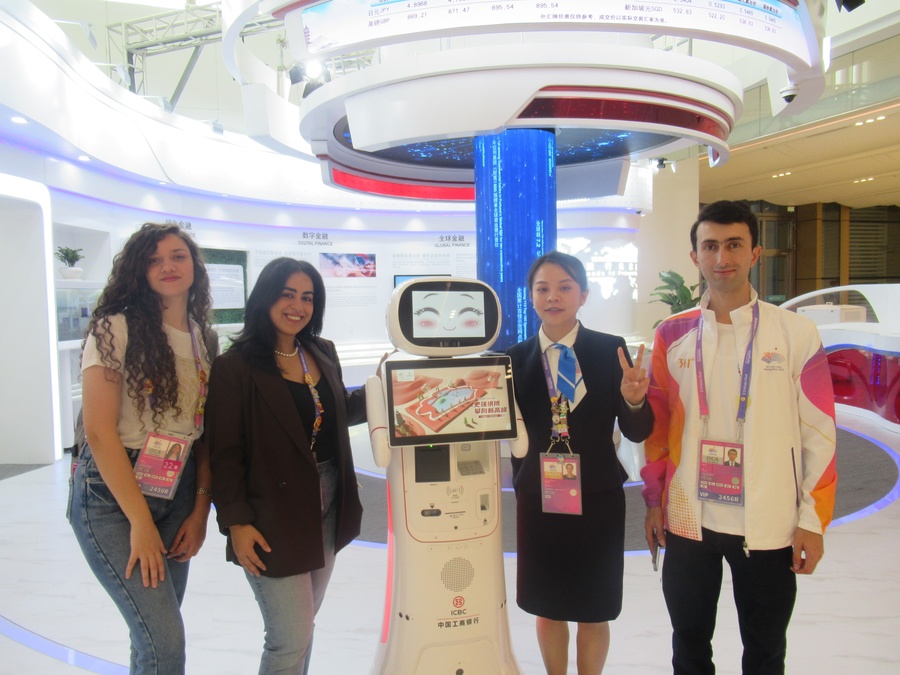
(376,413)
(518,446)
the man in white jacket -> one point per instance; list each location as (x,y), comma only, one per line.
(743,377)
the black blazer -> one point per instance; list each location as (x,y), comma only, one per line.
(263,471)
(590,424)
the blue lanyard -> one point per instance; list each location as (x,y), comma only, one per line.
(559,409)
(745,375)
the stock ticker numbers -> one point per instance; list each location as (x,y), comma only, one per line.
(777,26)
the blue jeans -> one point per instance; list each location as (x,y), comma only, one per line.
(289,604)
(153,615)
(764,592)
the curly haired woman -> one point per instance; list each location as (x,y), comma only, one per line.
(144,369)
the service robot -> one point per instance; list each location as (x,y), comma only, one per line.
(436,424)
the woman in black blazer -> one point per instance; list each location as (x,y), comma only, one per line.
(283,480)
(571,545)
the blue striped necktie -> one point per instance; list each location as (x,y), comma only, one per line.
(565,378)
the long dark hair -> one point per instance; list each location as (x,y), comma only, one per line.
(256,340)
(148,355)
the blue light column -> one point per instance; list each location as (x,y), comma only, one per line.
(515,219)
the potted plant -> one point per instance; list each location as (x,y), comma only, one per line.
(675,293)
(69,256)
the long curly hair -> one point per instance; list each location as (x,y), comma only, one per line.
(148,357)
(256,340)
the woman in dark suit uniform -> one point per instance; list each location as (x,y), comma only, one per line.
(283,480)
(570,566)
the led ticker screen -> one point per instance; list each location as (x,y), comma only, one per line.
(771,26)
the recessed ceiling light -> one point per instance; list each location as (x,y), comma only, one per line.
(859,124)
(879,118)
(18,120)
(870,120)
(84,158)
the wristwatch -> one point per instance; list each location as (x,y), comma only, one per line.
(204,491)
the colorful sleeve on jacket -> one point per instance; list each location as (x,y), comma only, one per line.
(664,444)
(818,435)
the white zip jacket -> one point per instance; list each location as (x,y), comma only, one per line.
(789,433)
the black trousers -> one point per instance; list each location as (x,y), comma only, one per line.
(764,592)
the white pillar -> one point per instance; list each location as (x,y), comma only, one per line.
(29,390)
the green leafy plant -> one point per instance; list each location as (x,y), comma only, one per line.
(675,293)
(70,256)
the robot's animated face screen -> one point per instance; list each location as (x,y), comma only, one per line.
(452,314)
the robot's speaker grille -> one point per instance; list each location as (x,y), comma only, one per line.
(457,574)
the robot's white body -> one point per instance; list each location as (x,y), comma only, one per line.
(445,609)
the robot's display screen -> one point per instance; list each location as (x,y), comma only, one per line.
(462,400)
(447,314)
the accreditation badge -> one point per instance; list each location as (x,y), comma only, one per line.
(721,478)
(561,483)
(160,464)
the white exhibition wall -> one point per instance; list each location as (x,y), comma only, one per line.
(96,209)
(29,415)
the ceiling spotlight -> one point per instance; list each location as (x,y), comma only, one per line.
(661,163)
(121,71)
(312,73)
(86,27)
(313,69)
(161,101)
(849,5)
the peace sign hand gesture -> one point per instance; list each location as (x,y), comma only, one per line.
(635,380)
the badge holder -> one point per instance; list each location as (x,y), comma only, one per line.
(560,472)
(721,480)
(160,464)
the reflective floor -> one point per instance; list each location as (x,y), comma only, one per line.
(54,618)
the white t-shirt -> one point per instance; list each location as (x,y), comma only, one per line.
(724,391)
(133,428)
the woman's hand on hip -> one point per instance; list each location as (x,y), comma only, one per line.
(190,536)
(148,549)
(244,539)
